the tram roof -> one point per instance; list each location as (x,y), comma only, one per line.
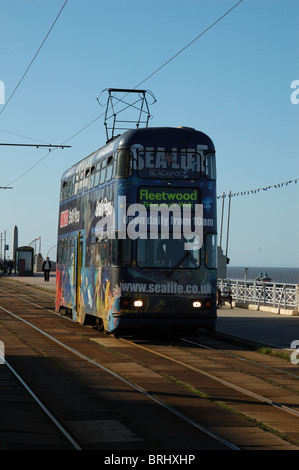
(148,136)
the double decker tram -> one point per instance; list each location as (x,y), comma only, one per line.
(127,258)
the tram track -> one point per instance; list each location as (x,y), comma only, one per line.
(228,384)
(190,422)
(185,365)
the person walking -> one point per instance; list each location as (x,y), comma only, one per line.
(46,266)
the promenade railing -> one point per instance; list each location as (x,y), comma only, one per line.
(278,295)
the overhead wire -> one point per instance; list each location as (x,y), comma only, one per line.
(34,57)
(23,136)
(144,80)
(162,66)
(189,44)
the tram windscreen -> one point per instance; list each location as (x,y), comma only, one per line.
(169,253)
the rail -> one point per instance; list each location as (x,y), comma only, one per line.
(278,295)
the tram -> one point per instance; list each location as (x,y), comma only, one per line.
(120,265)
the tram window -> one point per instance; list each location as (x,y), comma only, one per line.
(110,165)
(62,251)
(76,186)
(121,252)
(66,189)
(211,251)
(95,251)
(63,190)
(166,253)
(103,172)
(59,252)
(98,174)
(124,163)
(104,252)
(72,250)
(86,179)
(92,177)
(80,182)
(70,187)
(67,251)
(211,166)
(100,251)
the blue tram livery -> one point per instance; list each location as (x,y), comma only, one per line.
(126,257)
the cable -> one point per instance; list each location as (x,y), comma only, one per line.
(31,168)
(163,65)
(23,136)
(189,44)
(149,76)
(24,74)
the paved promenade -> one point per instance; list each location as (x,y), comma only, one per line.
(267,328)
(36,280)
(270,329)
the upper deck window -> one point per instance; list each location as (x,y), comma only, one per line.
(92,176)
(110,168)
(211,166)
(103,171)
(79,182)
(67,188)
(124,163)
(86,179)
(98,174)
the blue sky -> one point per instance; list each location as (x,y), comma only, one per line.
(233,83)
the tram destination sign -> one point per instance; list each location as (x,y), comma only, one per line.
(167,196)
(174,164)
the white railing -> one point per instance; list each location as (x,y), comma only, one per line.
(262,293)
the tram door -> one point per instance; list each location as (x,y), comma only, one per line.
(77,274)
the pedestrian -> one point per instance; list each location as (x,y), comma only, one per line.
(46,268)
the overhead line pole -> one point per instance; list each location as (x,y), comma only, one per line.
(228,220)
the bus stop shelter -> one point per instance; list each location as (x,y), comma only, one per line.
(25,260)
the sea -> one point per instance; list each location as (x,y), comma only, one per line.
(280,275)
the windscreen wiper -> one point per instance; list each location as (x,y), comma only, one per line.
(186,256)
